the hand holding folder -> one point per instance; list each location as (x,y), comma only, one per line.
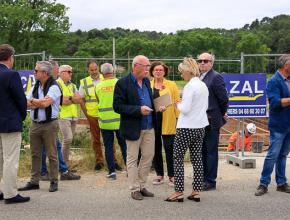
(164,100)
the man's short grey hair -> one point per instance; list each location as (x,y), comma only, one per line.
(107,68)
(45,66)
(64,67)
(284,59)
(53,63)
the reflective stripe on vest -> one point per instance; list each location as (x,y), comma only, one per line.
(68,111)
(91,101)
(108,119)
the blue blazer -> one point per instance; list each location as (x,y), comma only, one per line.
(217,100)
(127,104)
(279,117)
(12,101)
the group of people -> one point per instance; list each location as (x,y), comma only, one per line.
(125,107)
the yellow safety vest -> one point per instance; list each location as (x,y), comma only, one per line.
(90,96)
(108,119)
(68,111)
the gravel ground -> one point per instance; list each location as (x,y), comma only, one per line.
(94,197)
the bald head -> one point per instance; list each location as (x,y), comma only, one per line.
(140,66)
(205,62)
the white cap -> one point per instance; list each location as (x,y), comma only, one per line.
(251,127)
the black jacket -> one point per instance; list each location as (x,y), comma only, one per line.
(127,104)
(218,98)
(13,103)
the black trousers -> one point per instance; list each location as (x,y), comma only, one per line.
(187,138)
(168,141)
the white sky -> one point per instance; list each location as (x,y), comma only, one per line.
(170,15)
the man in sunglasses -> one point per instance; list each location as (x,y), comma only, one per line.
(217,108)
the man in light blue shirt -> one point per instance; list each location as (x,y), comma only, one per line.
(44,100)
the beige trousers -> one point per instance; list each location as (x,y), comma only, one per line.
(9,162)
(67,129)
(137,175)
(43,134)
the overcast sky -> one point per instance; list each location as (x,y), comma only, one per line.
(170,15)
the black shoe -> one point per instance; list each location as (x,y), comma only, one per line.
(99,166)
(112,176)
(29,186)
(208,187)
(69,176)
(118,167)
(284,188)
(261,190)
(136,195)
(53,187)
(16,199)
(1,196)
(144,192)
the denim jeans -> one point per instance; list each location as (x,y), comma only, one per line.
(210,155)
(61,164)
(108,139)
(277,155)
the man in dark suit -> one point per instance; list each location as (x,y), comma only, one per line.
(12,113)
(278,92)
(217,108)
(133,101)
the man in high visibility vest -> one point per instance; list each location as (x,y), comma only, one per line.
(89,106)
(65,173)
(69,110)
(109,120)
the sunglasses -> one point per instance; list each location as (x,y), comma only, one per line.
(203,61)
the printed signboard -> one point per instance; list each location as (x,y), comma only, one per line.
(247,95)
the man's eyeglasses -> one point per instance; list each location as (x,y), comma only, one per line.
(35,71)
(145,66)
(203,61)
(68,71)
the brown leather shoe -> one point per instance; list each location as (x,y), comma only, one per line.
(146,193)
(284,188)
(261,190)
(136,195)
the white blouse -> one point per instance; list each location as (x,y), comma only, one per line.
(193,105)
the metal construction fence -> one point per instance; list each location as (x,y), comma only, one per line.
(247,63)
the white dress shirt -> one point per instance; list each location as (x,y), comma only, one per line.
(193,105)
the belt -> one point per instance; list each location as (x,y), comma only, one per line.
(44,122)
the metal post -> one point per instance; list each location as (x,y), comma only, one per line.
(114,54)
(243,120)
(243,139)
(238,138)
(43,55)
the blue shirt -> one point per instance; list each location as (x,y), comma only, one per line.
(144,97)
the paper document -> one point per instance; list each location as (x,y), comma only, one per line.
(164,100)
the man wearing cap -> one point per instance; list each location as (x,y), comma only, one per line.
(248,132)
(43,99)
(278,92)
(109,120)
(12,113)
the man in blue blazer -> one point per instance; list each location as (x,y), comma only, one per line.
(278,91)
(217,108)
(133,101)
(12,113)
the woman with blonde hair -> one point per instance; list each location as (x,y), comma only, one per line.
(190,130)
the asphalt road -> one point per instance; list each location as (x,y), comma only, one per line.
(94,197)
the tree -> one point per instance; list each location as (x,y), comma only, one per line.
(34,25)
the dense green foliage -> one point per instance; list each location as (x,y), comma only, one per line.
(36,25)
